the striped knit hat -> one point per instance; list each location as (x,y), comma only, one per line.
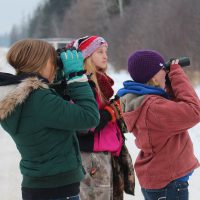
(89,44)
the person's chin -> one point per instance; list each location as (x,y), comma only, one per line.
(104,65)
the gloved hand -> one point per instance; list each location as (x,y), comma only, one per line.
(72,64)
(105,117)
(115,104)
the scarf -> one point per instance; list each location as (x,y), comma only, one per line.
(105,84)
(140,89)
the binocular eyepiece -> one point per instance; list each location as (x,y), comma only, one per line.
(59,62)
(183,62)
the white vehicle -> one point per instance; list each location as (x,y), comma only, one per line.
(58,42)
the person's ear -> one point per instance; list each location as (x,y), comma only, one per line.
(154,81)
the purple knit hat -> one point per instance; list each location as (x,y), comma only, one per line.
(143,65)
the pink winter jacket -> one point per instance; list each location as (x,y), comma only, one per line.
(109,138)
(160,126)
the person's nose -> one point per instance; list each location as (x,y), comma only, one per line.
(105,56)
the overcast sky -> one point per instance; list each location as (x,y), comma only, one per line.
(13,11)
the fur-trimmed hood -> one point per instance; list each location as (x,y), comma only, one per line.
(14,90)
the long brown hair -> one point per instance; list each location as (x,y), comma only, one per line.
(30,55)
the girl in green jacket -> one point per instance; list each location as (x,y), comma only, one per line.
(42,124)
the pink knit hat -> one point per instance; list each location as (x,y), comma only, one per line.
(89,44)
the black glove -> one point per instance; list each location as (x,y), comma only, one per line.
(105,117)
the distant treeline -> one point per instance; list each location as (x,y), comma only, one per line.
(168,26)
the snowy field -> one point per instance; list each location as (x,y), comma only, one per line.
(10,177)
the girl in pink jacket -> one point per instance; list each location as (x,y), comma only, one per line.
(160,124)
(99,143)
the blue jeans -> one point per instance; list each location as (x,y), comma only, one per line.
(173,191)
(77,197)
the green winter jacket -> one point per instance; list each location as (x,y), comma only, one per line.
(44,126)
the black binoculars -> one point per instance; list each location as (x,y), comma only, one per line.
(183,62)
(58,52)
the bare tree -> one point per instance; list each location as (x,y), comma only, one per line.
(86,17)
(168,26)
(121,11)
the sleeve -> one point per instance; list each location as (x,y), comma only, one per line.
(55,112)
(181,114)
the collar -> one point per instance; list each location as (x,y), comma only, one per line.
(140,89)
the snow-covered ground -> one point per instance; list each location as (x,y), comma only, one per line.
(10,177)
